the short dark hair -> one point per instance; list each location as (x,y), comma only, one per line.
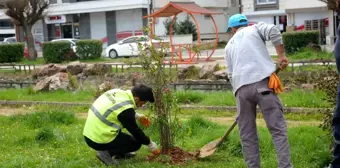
(144,93)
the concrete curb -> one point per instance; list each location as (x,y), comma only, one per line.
(187,107)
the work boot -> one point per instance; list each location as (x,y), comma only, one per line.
(125,155)
(106,158)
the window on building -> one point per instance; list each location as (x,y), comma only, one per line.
(53,1)
(206,17)
(6,24)
(259,2)
(232,2)
(262,5)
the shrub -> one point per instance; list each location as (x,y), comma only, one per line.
(89,49)
(44,135)
(70,56)
(11,52)
(187,27)
(56,52)
(297,40)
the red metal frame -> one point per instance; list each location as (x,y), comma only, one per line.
(173,9)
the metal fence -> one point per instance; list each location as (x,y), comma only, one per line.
(18,68)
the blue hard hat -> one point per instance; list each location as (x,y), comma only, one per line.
(237,20)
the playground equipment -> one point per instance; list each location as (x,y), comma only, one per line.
(172,9)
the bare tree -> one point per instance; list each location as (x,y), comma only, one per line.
(26,13)
(332,4)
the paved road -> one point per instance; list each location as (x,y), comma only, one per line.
(219,56)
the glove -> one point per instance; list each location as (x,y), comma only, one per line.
(153,148)
(143,120)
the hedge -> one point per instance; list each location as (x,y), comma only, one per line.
(294,41)
(12,52)
(57,52)
(89,49)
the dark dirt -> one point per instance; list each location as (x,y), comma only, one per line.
(176,156)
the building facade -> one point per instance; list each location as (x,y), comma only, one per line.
(106,20)
(269,11)
(6,27)
(289,13)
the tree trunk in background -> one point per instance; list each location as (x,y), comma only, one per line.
(30,43)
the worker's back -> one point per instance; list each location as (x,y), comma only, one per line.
(102,124)
(247,56)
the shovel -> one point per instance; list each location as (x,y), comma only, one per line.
(211,147)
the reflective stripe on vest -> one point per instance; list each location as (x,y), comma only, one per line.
(116,107)
(103,119)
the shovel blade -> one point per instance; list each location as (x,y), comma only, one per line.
(209,148)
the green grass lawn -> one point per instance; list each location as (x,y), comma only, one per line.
(295,98)
(38,61)
(54,139)
(308,54)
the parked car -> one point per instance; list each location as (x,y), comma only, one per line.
(72,41)
(128,46)
(10,40)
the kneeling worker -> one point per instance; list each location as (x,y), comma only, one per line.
(109,114)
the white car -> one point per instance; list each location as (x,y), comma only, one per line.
(10,40)
(128,46)
(72,41)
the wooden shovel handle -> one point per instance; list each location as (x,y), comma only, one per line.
(278,69)
(227,133)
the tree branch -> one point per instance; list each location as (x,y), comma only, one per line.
(25,12)
(332,4)
(41,6)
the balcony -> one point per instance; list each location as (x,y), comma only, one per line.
(203,3)
(95,6)
(304,5)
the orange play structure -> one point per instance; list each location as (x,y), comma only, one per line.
(172,9)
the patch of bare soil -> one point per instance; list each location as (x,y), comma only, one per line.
(8,111)
(176,156)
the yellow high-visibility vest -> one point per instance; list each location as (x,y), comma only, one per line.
(102,125)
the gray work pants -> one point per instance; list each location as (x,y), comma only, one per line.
(248,97)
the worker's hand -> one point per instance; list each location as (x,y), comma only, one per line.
(153,148)
(144,120)
(283,62)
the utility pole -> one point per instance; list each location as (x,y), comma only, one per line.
(149,7)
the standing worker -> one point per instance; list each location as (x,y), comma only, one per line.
(249,67)
(109,114)
(336,116)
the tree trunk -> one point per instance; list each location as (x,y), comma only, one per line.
(30,43)
(163,117)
